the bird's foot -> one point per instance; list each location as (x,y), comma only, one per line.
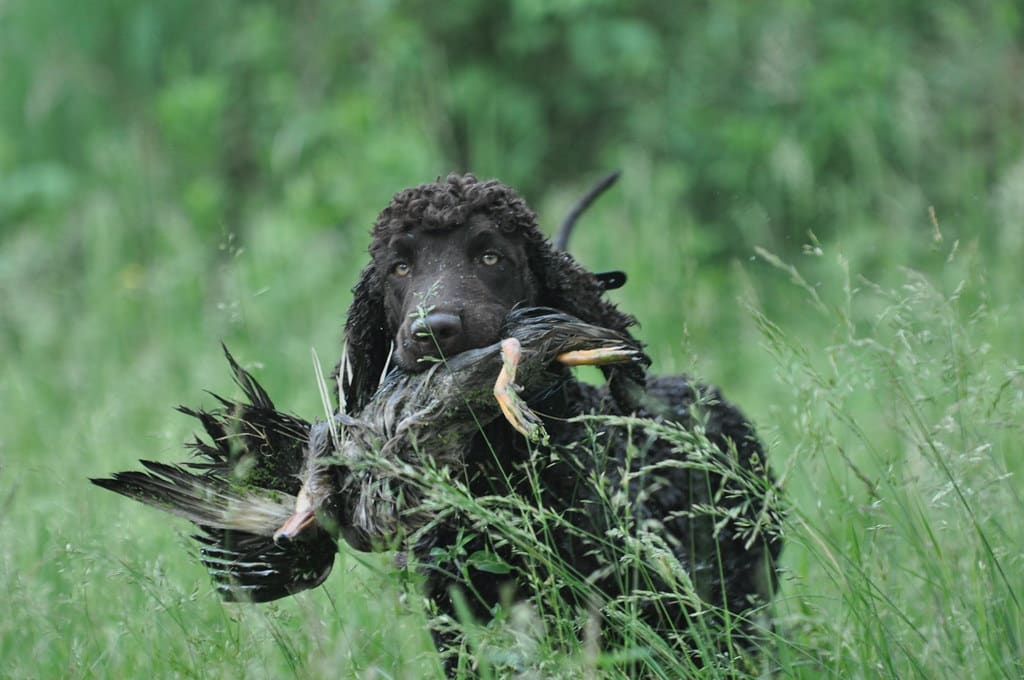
(506,392)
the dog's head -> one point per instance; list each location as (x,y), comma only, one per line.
(449,290)
(449,261)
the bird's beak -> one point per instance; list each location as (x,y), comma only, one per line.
(294,526)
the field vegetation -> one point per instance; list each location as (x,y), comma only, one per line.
(821,210)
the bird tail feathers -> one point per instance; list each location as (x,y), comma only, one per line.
(204,500)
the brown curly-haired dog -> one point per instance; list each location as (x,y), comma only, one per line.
(449,261)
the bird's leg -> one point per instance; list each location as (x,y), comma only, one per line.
(597,357)
(516,412)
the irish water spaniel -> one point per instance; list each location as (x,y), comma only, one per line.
(449,261)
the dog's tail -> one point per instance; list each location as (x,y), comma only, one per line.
(569,223)
(609,280)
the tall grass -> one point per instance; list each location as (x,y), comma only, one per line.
(892,411)
(893,421)
(550,637)
(175,174)
(895,442)
(901,554)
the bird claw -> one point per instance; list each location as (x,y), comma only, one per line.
(506,392)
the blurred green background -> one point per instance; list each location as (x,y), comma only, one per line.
(174,174)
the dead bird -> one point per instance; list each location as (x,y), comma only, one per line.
(272,493)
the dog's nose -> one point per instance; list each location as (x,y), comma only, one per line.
(436,328)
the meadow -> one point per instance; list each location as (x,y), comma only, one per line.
(840,252)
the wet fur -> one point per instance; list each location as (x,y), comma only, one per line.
(432,221)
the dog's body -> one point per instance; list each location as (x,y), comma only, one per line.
(449,262)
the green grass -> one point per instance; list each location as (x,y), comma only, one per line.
(904,485)
(173,175)
(893,413)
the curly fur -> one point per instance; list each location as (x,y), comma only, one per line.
(561,283)
(726,561)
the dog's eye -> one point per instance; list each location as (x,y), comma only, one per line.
(401,269)
(490,259)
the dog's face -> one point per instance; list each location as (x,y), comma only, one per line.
(449,290)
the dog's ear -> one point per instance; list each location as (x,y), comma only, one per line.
(367,342)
